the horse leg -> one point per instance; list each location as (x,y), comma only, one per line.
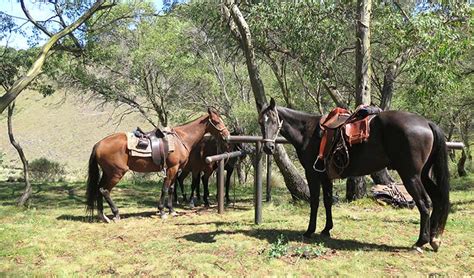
(205,183)
(227,184)
(100,201)
(170,180)
(327,198)
(116,177)
(195,182)
(415,187)
(314,191)
(433,192)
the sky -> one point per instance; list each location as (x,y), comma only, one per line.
(39,10)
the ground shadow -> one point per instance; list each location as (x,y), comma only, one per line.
(92,219)
(271,236)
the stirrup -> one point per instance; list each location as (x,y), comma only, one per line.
(317,169)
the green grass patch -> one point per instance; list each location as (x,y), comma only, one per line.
(54,238)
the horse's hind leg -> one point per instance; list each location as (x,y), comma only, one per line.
(431,189)
(106,188)
(415,187)
(205,184)
(227,184)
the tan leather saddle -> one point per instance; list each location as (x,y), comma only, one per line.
(158,141)
(341,126)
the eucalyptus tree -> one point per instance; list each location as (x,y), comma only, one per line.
(60,36)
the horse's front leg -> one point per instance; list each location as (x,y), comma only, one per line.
(171,174)
(314,190)
(327,197)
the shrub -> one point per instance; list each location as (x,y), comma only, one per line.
(45,170)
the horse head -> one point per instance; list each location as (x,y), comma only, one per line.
(216,125)
(270,125)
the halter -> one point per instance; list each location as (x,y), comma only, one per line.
(280,124)
(217,128)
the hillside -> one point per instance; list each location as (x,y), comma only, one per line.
(60,128)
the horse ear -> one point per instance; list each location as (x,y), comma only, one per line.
(209,110)
(272,103)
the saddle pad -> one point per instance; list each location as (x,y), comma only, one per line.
(132,142)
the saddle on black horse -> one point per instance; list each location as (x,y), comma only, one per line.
(159,142)
(342,128)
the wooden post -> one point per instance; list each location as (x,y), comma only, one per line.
(220,187)
(258,183)
(269,178)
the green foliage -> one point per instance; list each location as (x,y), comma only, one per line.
(45,170)
(278,248)
(310,251)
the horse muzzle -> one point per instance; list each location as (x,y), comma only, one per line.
(269,147)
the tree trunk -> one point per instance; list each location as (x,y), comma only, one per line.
(35,69)
(460,165)
(27,193)
(363,71)
(293,180)
(295,183)
(356,186)
(382,177)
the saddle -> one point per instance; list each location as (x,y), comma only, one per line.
(158,140)
(341,128)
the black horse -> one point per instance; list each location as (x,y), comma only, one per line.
(398,140)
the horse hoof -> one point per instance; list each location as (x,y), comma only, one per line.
(325,234)
(116,219)
(435,243)
(104,218)
(307,235)
(191,205)
(174,213)
(163,215)
(417,249)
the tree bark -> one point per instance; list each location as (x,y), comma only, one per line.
(295,183)
(35,69)
(293,180)
(27,193)
(363,72)
(382,177)
(356,186)
(460,165)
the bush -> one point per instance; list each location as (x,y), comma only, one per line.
(45,170)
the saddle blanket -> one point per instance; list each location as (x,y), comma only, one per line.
(132,142)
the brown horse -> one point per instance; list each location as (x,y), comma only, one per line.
(202,171)
(403,141)
(112,154)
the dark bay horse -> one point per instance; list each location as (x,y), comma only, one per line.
(202,171)
(112,155)
(398,140)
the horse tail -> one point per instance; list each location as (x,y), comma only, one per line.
(439,192)
(92,192)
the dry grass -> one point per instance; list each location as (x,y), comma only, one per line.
(53,237)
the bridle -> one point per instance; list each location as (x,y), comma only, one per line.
(217,128)
(280,124)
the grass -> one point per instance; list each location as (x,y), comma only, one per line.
(53,237)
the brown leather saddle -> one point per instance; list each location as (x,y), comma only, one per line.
(159,144)
(341,128)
